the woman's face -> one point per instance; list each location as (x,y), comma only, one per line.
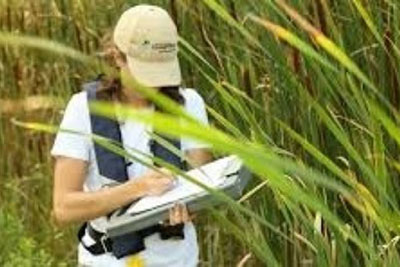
(120,60)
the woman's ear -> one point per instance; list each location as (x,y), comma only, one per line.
(119,58)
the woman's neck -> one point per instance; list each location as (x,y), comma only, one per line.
(134,98)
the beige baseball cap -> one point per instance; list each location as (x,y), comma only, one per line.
(148,37)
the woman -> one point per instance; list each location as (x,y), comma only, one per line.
(144,44)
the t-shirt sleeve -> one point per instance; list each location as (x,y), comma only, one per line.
(76,119)
(195,106)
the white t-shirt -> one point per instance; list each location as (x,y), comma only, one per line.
(158,253)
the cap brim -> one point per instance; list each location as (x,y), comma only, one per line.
(155,74)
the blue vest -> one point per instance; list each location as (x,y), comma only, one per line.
(114,167)
(111,165)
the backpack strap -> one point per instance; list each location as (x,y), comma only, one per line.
(110,164)
(165,154)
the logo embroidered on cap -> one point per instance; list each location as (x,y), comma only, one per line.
(164,47)
(153,52)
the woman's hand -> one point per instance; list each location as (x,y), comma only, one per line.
(179,214)
(157,182)
(72,204)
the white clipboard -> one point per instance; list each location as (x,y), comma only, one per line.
(227,175)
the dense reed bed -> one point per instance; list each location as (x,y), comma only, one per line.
(306,92)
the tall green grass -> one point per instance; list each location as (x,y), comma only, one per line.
(305,92)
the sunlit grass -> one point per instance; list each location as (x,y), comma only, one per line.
(306,92)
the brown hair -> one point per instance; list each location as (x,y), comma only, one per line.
(111,86)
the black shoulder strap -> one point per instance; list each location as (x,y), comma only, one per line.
(110,164)
(165,154)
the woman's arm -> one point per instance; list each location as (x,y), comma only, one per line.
(72,204)
(198,156)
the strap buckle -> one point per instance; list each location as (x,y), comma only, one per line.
(103,241)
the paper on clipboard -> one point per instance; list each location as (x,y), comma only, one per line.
(212,174)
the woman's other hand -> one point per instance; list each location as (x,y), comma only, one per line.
(179,214)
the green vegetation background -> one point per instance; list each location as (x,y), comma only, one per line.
(308,91)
